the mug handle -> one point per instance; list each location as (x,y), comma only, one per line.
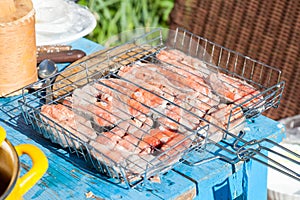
(2,135)
(38,169)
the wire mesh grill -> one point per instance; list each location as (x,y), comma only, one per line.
(264,151)
(133,111)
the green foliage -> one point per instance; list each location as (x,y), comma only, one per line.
(118,16)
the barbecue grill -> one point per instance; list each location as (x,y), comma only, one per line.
(79,85)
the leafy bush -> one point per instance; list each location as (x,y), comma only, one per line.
(117,16)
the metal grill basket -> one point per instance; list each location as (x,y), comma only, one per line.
(134,111)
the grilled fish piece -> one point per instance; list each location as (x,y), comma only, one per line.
(75,124)
(96,65)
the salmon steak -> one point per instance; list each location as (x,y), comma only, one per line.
(148,113)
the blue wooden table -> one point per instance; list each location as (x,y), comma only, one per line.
(69,177)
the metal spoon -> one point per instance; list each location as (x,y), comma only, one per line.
(46,69)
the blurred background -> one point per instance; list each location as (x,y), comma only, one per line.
(117,16)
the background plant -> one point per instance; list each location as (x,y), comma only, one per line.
(118,16)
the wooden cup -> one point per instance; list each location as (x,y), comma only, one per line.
(18,48)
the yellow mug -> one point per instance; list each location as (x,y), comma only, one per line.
(12,186)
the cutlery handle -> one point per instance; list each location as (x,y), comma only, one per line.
(62,57)
(52,48)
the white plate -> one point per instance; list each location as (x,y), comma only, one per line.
(280,186)
(61,21)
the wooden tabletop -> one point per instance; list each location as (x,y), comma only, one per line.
(69,177)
